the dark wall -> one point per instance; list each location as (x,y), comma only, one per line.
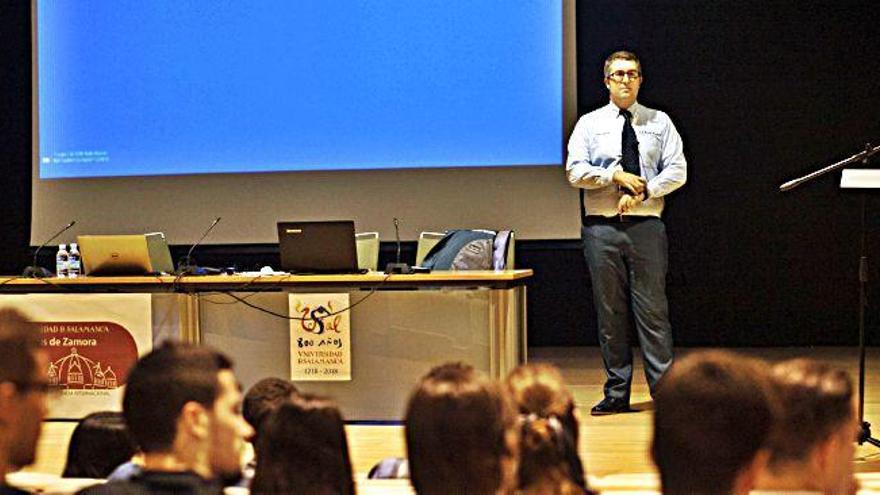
(762,92)
(15,134)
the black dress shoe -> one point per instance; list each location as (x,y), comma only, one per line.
(610,405)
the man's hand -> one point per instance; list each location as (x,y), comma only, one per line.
(632,183)
(627,202)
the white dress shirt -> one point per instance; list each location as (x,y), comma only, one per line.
(594,152)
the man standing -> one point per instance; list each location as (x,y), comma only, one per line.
(625,158)
(23,390)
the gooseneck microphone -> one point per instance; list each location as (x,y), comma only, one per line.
(397,236)
(186,264)
(397,266)
(35,271)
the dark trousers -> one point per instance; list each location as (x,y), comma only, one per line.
(628,263)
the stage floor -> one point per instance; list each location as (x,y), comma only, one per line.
(619,444)
(609,445)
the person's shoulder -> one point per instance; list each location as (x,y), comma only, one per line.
(157,482)
(114,487)
(593,121)
(125,471)
(11,490)
(653,115)
(595,114)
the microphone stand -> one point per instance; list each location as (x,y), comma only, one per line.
(864,157)
(35,271)
(186,266)
(397,267)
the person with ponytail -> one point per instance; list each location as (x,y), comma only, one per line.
(549,461)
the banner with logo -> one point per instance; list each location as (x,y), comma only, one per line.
(92,340)
(320,337)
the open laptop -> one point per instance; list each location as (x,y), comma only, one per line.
(318,247)
(125,254)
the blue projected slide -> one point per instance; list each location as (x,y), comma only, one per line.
(128,87)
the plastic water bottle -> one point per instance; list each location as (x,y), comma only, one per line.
(61,260)
(74,267)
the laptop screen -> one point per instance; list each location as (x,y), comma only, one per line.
(318,247)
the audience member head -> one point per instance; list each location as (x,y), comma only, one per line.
(261,399)
(813,442)
(461,434)
(23,390)
(99,444)
(303,449)
(713,413)
(549,432)
(182,403)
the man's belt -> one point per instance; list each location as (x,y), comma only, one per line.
(599,219)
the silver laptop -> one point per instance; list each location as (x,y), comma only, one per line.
(125,254)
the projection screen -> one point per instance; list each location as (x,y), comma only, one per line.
(160,116)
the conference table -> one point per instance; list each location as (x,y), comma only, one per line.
(401,325)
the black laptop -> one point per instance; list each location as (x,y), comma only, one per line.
(318,247)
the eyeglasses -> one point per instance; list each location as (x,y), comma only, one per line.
(619,75)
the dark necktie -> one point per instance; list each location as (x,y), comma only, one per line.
(629,146)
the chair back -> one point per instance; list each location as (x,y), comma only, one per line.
(427,240)
(367,246)
(511,248)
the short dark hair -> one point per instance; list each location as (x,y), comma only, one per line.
(19,340)
(620,55)
(161,383)
(456,426)
(713,413)
(815,401)
(264,397)
(303,449)
(100,443)
(549,432)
